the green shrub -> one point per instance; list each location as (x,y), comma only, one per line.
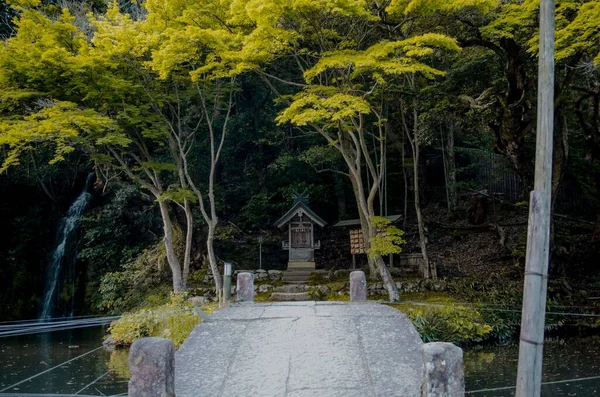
(139,282)
(447,323)
(317,279)
(174,321)
(500,301)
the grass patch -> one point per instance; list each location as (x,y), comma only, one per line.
(174,320)
(262,296)
(339,298)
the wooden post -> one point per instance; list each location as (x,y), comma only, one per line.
(529,373)
(226,284)
(261,240)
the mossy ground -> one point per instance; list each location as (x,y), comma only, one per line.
(440,317)
(174,320)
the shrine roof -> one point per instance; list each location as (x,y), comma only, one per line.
(299,207)
(353,222)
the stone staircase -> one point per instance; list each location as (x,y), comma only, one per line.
(296,276)
(291,292)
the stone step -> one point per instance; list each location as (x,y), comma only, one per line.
(292,288)
(301,265)
(290,296)
(296,278)
(297,273)
(293,277)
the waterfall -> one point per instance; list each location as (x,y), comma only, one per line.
(67,225)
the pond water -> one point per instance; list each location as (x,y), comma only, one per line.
(487,367)
(492,367)
(25,356)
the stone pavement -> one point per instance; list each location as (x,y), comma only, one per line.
(299,349)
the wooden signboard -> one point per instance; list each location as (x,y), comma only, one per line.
(357,243)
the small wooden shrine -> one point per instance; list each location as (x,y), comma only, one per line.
(300,221)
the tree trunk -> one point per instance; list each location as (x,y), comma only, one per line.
(428,271)
(212,260)
(364,225)
(560,153)
(449,167)
(178,285)
(188,242)
(377,266)
(386,276)
(341,198)
(405,179)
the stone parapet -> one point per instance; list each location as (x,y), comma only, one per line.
(152,368)
(443,371)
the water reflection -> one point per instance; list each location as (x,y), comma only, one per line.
(485,367)
(496,366)
(27,355)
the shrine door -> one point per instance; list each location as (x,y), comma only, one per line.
(301,234)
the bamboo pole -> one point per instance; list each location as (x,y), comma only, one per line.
(529,374)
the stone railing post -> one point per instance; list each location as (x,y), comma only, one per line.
(443,372)
(245,287)
(152,367)
(358,286)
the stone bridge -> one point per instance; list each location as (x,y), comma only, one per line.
(298,349)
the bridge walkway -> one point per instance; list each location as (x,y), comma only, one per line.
(301,349)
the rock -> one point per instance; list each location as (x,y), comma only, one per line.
(358,286)
(341,273)
(275,275)
(398,285)
(152,367)
(284,296)
(265,288)
(109,341)
(245,287)
(198,300)
(395,271)
(323,289)
(262,275)
(443,372)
